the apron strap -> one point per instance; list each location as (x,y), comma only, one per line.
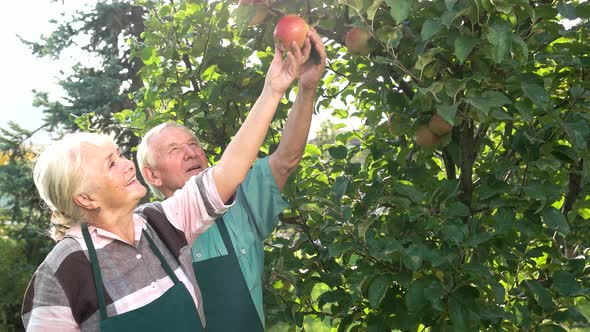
(96,272)
(98,276)
(165,264)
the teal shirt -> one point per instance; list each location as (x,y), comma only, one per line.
(261,193)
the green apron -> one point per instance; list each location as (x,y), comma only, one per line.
(173,311)
(227,301)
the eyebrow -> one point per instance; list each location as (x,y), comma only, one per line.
(111,154)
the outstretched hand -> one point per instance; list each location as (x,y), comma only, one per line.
(284,70)
(311,71)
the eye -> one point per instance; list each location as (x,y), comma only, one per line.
(111,164)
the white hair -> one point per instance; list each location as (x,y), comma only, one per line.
(146,154)
(60,175)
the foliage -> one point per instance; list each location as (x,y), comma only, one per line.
(14,276)
(484,233)
(23,221)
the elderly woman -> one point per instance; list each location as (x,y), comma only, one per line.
(113,269)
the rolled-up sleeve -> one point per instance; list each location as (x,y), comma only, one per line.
(193,208)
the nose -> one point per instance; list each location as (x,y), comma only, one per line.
(130,165)
(189,151)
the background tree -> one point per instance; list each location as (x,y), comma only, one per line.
(97,89)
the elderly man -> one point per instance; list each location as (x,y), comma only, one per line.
(228,258)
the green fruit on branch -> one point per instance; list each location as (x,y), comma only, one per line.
(357,41)
(290,28)
(439,126)
(427,139)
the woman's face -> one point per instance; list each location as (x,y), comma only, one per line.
(112,181)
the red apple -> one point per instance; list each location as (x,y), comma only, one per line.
(290,28)
(357,41)
(426,139)
(439,126)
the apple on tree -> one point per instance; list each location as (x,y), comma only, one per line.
(439,126)
(427,139)
(261,11)
(290,28)
(357,41)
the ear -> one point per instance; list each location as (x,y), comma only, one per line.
(151,176)
(86,201)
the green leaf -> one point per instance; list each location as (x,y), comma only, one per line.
(541,295)
(458,209)
(355,4)
(565,283)
(500,114)
(430,28)
(372,10)
(500,36)
(488,100)
(400,9)
(146,54)
(422,291)
(339,187)
(555,220)
(566,10)
(409,191)
(525,110)
(463,47)
(338,151)
(450,4)
(578,131)
(448,113)
(378,288)
(536,93)
(413,258)
(426,58)
(550,328)
(525,49)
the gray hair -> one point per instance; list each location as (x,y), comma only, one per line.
(59,176)
(146,155)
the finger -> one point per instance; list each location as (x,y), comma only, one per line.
(296,51)
(278,53)
(318,44)
(306,49)
(292,64)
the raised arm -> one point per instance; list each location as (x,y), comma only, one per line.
(243,148)
(294,136)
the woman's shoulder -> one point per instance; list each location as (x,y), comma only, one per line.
(67,251)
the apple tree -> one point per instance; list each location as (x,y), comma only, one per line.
(459,204)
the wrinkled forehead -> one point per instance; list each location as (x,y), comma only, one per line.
(171,136)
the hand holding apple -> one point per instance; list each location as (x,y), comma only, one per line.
(284,70)
(290,28)
(311,71)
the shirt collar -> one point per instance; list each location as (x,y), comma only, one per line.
(97,232)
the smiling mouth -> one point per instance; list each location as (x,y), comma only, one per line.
(133,180)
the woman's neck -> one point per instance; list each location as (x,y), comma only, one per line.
(119,224)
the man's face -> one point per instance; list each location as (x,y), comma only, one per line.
(178,156)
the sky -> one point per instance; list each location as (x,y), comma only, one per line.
(22,71)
